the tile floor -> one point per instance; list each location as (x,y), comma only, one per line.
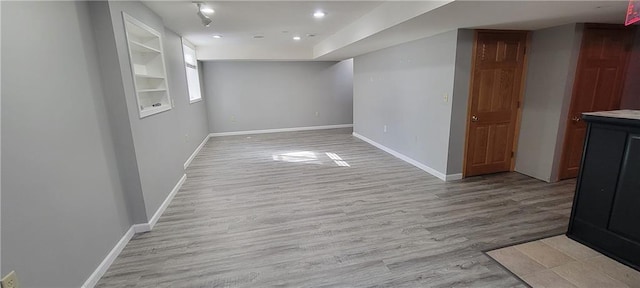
(561,262)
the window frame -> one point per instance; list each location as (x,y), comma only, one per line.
(187,66)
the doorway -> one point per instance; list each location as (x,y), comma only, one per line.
(499,59)
(600,75)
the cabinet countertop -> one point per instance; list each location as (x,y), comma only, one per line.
(621,114)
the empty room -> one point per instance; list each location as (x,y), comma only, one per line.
(319,144)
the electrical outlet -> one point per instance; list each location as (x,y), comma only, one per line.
(317,114)
(446,97)
(384,129)
(10,281)
(186,138)
(233,119)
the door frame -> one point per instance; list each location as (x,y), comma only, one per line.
(516,133)
(563,161)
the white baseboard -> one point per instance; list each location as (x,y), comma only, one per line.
(195,153)
(113,254)
(166,202)
(134,229)
(451,177)
(409,160)
(294,129)
(141,228)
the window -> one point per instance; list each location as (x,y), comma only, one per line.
(193,77)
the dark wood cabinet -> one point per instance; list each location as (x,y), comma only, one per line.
(606,206)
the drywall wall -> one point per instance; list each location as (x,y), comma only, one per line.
(244,96)
(116,106)
(553,57)
(0,145)
(404,89)
(59,177)
(631,92)
(192,117)
(158,139)
(460,99)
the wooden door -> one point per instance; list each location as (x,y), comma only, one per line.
(598,85)
(496,83)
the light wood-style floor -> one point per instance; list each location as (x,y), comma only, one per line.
(324,209)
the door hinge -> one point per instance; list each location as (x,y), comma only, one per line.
(512,154)
(518,105)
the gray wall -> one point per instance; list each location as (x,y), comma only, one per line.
(59,177)
(461,82)
(403,87)
(159,140)
(116,107)
(76,143)
(192,118)
(252,95)
(631,93)
(552,62)
(0,148)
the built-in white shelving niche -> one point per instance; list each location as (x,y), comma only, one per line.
(147,64)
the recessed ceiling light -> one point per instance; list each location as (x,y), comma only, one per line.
(319,14)
(297,38)
(217,36)
(207,10)
(258,37)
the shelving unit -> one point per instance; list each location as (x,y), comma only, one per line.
(147,63)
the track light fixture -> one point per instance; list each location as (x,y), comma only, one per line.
(206,21)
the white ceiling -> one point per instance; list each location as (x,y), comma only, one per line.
(239,21)
(353,28)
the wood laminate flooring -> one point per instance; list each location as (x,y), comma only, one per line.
(324,209)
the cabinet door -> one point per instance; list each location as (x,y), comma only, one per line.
(601,166)
(626,206)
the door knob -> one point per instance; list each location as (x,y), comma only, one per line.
(474,118)
(576,119)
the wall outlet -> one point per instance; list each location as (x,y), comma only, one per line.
(445,98)
(384,128)
(10,281)
(233,119)
(186,138)
(317,114)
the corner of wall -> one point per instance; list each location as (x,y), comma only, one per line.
(116,107)
(566,103)
(460,99)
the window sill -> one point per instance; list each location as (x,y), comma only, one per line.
(195,101)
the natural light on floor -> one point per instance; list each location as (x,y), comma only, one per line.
(309,157)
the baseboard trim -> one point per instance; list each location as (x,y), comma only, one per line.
(294,129)
(195,153)
(409,160)
(106,263)
(134,229)
(452,177)
(166,202)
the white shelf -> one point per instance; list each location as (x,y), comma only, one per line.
(150,76)
(148,111)
(148,67)
(151,90)
(139,47)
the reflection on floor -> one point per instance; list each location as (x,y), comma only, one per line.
(561,262)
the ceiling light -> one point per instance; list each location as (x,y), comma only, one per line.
(258,37)
(297,38)
(217,36)
(319,14)
(207,10)
(206,21)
